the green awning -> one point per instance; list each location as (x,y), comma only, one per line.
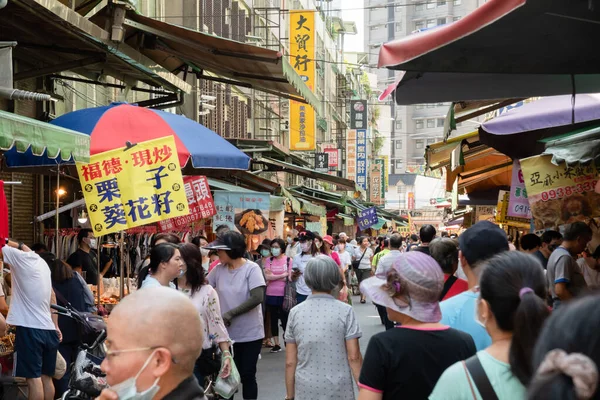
(313,209)
(277,203)
(296,81)
(579,146)
(24,133)
(380,223)
(348,219)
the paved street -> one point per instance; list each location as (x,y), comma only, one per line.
(271,367)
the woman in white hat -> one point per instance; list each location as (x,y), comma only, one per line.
(406,362)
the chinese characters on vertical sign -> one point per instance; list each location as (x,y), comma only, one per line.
(560,194)
(361,158)
(124,188)
(518,204)
(375,186)
(358,114)
(322,162)
(411,200)
(200,203)
(245,212)
(382,162)
(302,59)
(351,155)
(367,218)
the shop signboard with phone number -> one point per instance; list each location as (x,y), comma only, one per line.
(560,194)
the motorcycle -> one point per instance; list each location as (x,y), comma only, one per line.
(87,379)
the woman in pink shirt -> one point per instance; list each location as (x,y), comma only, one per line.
(327,249)
(277,271)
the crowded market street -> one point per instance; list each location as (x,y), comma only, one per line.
(299,200)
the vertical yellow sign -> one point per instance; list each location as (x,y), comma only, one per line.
(302,59)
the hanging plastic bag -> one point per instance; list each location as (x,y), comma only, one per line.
(226,387)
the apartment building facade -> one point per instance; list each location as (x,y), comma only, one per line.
(412,128)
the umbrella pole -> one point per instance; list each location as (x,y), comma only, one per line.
(56,236)
(99,283)
(122,268)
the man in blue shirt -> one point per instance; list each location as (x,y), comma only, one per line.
(479,243)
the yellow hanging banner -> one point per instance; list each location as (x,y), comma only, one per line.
(302,59)
(124,188)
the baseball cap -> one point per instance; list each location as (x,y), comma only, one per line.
(306,235)
(482,241)
(412,287)
(328,239)
(266,244)
(227,241)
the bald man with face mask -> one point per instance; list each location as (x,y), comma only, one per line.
(154,338)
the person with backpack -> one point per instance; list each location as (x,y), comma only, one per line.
(278,270)
(512,308)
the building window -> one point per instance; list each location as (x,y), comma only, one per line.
(399,165)
(441,21)
(431,105)
(398,9)
(374,27)
(398,144)
(431,23)
(419,7)
(419,124)
(419,25)
(431,5)
(419,144)
(431,123)
(456,18)
(419,106)
(398,27)
(440,122)
(430,141)
(399,125)
(457,2)
(441,3)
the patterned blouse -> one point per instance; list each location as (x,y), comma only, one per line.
(206,301)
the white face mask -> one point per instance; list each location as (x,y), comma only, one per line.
(204,252)
(477,319)
(127,389)
(92,243)
(289,239)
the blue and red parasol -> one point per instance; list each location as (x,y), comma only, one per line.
(112,126)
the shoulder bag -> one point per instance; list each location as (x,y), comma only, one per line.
(447,285)
(289,296)
(486,390)
(356,264)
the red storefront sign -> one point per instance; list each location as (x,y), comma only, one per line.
(200,201)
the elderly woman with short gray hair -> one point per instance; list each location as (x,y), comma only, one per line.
(322,351)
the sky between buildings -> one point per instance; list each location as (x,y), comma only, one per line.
(354,11)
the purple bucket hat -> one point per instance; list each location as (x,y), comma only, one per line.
(420,284)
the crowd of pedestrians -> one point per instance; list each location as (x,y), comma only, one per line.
(463,317)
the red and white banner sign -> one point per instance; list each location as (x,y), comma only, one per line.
(333,156)
(200,202)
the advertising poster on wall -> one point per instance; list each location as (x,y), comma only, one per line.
(351,155)
(245,212)
(560,194)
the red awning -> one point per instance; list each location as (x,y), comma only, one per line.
(503,49)
(413,46)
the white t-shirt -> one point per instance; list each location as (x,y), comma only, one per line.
(300,262)
(31,290)
(365,263)
(345,258)
(151,281)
